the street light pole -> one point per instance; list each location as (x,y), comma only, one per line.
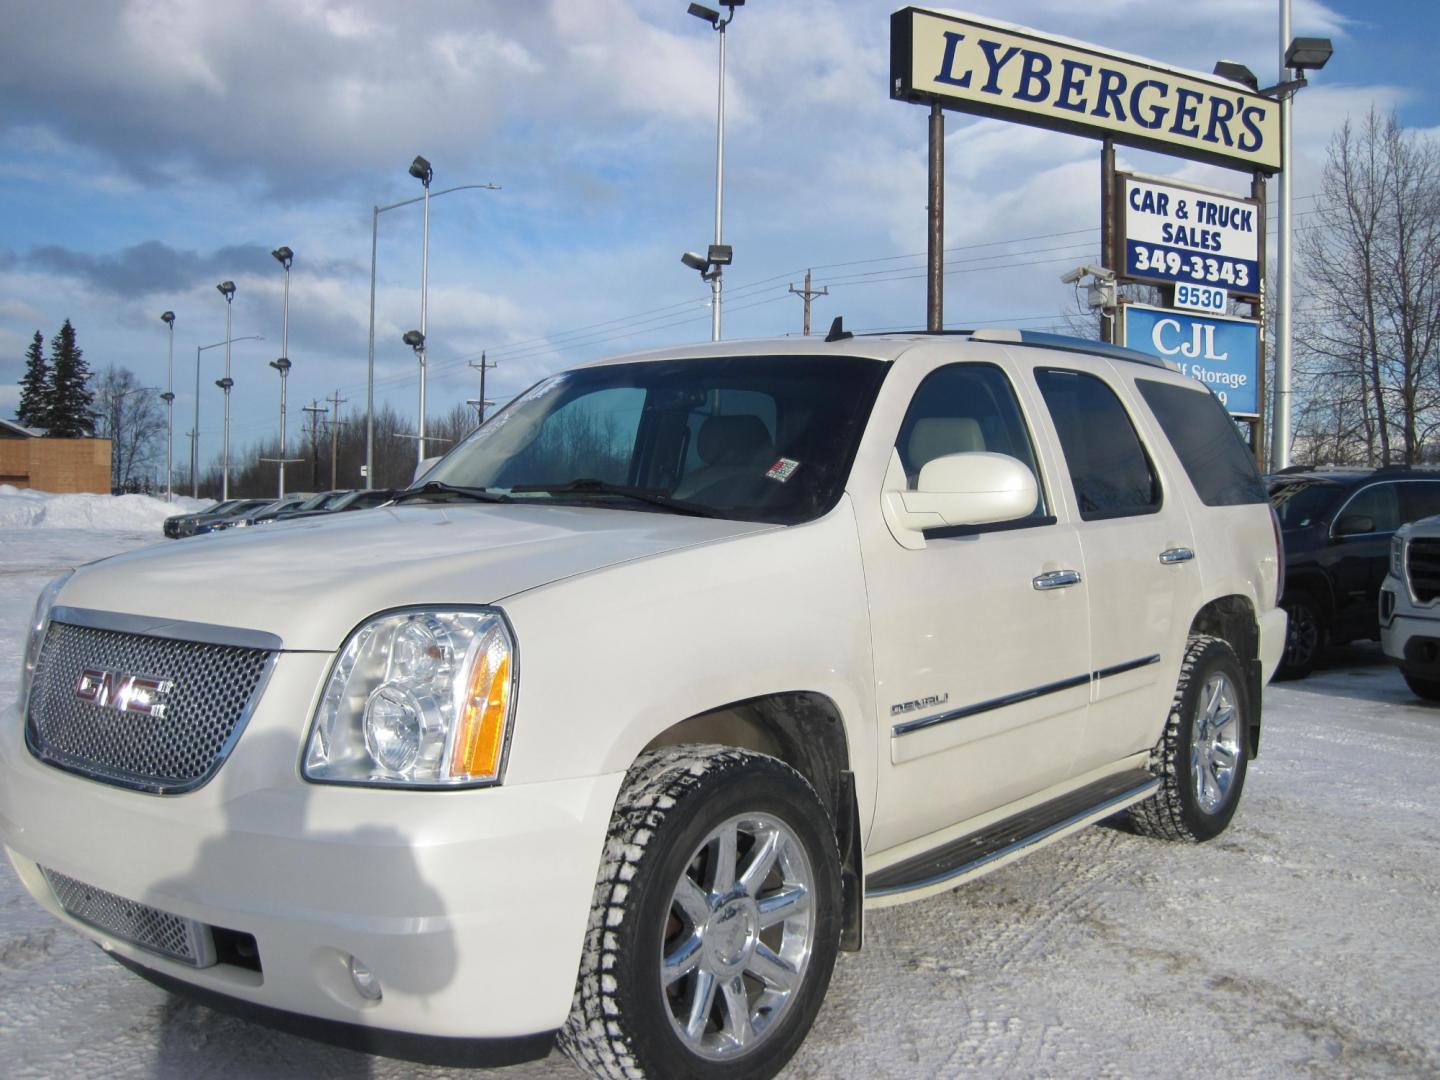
(284,256)
(715,270)
(195,427)
(421,170)
(227,290)
(168,318)
(376,211)
(1280,423)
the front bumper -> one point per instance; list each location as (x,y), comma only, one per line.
(469,907)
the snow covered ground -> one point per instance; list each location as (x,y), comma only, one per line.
(1302,942)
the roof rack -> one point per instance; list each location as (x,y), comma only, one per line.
(1067,343)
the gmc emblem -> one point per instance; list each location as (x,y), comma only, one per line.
(136,694)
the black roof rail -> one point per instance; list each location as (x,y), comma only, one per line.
(1068,343)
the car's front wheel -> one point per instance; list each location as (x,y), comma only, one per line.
(1429,689)
(715,921)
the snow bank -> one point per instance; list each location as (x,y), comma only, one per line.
(23,508)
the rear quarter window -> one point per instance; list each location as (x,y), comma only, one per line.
(1209,447)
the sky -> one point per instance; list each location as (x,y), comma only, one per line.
(150,149)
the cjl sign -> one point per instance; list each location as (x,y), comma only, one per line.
(1222,353)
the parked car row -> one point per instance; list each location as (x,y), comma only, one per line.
(1362,561)
(242,513)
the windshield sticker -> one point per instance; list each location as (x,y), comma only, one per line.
(783,469)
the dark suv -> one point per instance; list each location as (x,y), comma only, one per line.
(1337,524)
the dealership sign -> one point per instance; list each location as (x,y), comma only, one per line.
(1173,232)
(996,69)
(1220,352)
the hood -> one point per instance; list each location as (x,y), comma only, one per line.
(312,581)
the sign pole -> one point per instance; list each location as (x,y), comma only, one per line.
(1257,312)
(1107,233)
(935,253)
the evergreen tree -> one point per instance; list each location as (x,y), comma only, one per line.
(71,400)
(35,390)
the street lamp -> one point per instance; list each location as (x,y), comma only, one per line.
(195,429)
(376,211)
(168,318)
(421,170)
(284,256)
(227,290)
(712,274)
(1299,56)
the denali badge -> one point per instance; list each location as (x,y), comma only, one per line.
(136,694)
(921,703)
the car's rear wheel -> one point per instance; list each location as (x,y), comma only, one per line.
(715,921)
(1305,637)
(1202,756)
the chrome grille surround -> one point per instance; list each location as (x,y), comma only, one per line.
(184,940)
(215,688)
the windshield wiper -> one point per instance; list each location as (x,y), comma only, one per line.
(436,487)
(590,486)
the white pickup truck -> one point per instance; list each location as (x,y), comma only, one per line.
(611,728)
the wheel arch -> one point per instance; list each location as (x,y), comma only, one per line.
(806,730)
(1233,619)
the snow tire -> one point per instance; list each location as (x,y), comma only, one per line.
(674,804)
(1201,758)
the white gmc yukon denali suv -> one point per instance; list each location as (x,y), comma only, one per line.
(609,730)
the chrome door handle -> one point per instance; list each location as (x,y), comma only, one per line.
(1176,555)
(1056,579)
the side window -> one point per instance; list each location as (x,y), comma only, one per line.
(1109,469)
(1418,499)
(962,408)
(1379,502)
(1217,462)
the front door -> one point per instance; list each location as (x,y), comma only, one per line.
(981,636)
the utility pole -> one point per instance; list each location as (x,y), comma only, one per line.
(482,365)
(315,413)
(807,294)
(335,425)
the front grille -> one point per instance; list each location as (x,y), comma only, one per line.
(211,689)
(150,928)
(1422,565)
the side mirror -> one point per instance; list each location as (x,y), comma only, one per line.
(977,488)
(1354,525)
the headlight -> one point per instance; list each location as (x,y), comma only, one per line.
(1397,555)
(39,621)
(418,698)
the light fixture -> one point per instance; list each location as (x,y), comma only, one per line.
(1236,72)
(168,318)
(281,365)
(720,254)
(694,261)
(227,290)
(700,11)
(225,384)
(415,339)
(284,256)
(1308,53)
(421,170)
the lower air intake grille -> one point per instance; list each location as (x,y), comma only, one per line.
(158,931)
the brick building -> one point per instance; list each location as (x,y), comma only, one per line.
(58,465)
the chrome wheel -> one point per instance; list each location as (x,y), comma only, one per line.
(738,935)
(1215,743)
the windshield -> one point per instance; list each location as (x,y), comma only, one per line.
(1301,503)
(761,438)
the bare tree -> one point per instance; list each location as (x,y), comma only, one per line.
(1369,331)
(131,418)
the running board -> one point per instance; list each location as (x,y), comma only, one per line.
(1033,827)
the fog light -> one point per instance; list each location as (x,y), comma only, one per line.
(366,985)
